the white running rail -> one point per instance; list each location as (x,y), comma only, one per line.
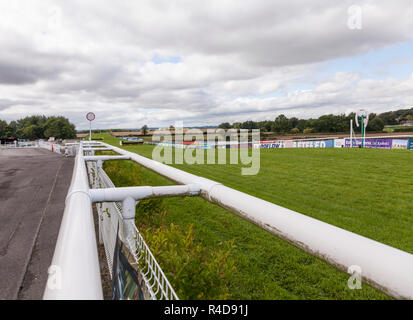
(157,286)
(51,146)
(17,145)
(75,271)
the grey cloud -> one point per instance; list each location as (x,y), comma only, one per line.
(7,103)
(19,66)
(232,52)
(275,33)
(17,75)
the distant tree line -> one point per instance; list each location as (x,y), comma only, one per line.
(38,127)
(325,124)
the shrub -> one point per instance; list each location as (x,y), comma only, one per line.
(195,271)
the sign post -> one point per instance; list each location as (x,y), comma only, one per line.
(90,116)
(364,121)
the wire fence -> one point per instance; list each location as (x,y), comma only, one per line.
(155,285)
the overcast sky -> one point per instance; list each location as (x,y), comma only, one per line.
(204,62)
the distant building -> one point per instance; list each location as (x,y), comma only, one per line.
(406,123)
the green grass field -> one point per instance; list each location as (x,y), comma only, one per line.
(366,191)
(390,129)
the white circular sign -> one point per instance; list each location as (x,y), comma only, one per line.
(90,116)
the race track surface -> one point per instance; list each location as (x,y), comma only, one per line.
(33,187)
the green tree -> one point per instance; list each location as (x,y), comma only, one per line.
(3,128)
(265,125)
(389,118)
(38,127)
(294,122)
(302,124)
(11,130)
(31,132)
(377,124)
(60,128)
(144,130)
(249,125)
(281,124)
(225,125)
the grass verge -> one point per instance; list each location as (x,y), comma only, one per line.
(365,191)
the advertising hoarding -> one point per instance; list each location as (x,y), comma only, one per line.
(371,143)
(295,144)
(399,144)
(410,144)
(314,144)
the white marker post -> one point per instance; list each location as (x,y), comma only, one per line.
(364,121)
(90,116)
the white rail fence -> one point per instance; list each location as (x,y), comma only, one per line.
(17,145)
(73,261)
(52,147)
(38,144)
(156,285)
(386,268)
(75,271)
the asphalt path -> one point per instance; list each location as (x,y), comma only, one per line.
(33,187)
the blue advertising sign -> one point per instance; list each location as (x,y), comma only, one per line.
(272,145)
(295,144)
(314,144)
(410,144)
(371,143)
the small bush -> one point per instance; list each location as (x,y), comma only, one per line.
(195,271)
(150,213)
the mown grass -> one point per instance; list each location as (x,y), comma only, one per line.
(396,127)
(366,191)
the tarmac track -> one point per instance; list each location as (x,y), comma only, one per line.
(33,187)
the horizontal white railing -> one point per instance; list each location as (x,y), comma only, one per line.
(155,284)
(51,146)
(17,145)
(75,271)
(96,158)
(139,193)
(386,268)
